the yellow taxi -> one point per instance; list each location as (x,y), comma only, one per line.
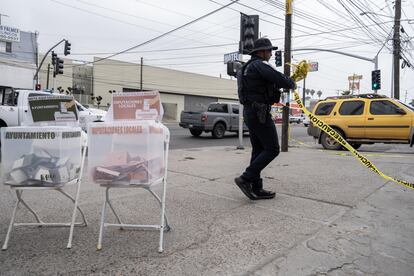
(364,119)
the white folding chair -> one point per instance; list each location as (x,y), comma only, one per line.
(19,193)
(163,226)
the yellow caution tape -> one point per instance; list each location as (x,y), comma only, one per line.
(300,72)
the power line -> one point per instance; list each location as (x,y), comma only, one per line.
(279,18)
(167,33)
(317,20)
(121,21)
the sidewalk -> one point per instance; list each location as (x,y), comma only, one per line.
(331,216)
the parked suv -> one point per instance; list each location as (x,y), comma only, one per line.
(364,119)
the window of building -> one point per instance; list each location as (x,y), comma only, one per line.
(220,108)
(383,108)
(5,47)
(324,109)
(352,108)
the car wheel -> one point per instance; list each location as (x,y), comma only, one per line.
(218,131)
(196,132)
(356,146)
(330,143)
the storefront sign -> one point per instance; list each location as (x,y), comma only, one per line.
(9,33)
(314,66)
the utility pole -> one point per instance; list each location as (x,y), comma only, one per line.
(287,54)
(142,61)
(47,78)
(303,93)
(1,14)
(397,49)
(353,84)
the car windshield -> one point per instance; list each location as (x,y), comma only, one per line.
(80,107)
(407,106)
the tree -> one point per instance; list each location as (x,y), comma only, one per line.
(97,100)
(312,92)
(319,93)
(60,89)
(307,91)
(68,90)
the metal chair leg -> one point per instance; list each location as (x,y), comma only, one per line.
(85,222)
(101,229)
(20,198)
(6,241)
(167,226)
(112,208)
(161,247)
(76,207)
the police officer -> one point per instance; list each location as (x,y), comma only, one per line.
(258,87)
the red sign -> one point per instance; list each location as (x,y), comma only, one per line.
(136,105)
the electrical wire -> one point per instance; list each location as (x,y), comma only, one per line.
(147,19)
(164,34)
(123,22)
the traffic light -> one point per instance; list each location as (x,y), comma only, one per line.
(249,32)
(54,57)
(233,67)
(278,58)
(67,48)
(376,79)
(58,69)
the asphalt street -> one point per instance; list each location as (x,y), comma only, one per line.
(182,139)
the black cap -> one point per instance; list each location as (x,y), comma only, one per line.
(262,44)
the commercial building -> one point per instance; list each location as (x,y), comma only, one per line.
(179,90)
(18,57)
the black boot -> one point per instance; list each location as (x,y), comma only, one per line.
(245,186)
(260,193)
(263,194)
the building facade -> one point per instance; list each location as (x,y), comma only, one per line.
(60,82)
(18,57)
(179,90)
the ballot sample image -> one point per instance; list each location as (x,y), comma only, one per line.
(53,108)
(136,106)
(40,156)
(126,152)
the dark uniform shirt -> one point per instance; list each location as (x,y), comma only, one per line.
(258,75)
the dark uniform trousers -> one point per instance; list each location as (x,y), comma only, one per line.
(265,145)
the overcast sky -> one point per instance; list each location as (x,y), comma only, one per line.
(103,27)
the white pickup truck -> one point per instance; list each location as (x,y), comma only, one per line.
(14,107)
